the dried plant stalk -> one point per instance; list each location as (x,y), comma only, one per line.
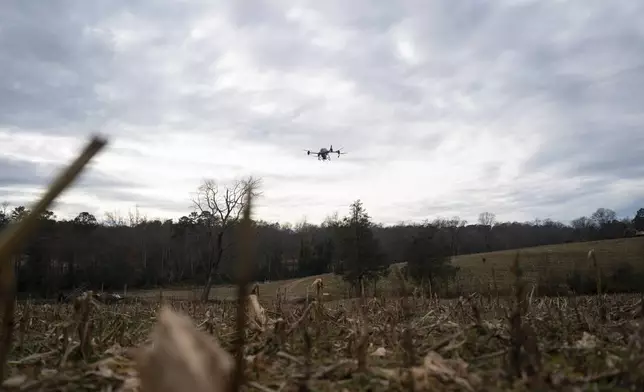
(516,329)
(598,279)
(182,358)
(82,306)
(407,341)
(363,334)
(12,238)
(495,284)
(7,301)
(242,290)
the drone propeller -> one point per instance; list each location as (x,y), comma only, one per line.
(324,155)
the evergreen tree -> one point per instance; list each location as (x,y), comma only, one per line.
(360,252)
(4,219)
(429,258)
(638,220)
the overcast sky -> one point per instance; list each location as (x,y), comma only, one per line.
(523,108)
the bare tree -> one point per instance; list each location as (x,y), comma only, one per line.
(220,209)
(136,218)
(603,216)
(487,219)
(114,219)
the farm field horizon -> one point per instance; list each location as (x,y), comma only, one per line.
(474,274)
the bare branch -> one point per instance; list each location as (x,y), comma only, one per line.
(226,204)
(225,207)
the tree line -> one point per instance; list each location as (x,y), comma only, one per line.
(200,247)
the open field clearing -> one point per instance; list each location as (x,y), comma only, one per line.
(454,345)
(553,262)
(267,291)
(550,264)
(546,265)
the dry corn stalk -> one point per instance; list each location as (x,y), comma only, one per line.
(183,358)
(243,277)
(319,286)
(15,235)
(434,374)
(255,312)
(598,277)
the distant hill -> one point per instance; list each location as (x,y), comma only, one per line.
(551,263)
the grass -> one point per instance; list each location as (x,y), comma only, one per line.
(551,264)
(548,265)
(267,291)
(555,261)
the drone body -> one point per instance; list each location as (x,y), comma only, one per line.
(323,154)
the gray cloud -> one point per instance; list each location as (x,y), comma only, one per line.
(34,174)
(603,154)
(526,203)
(52,61)
(530,96)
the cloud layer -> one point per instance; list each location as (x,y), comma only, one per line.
(523,108)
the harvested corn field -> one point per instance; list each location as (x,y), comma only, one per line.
(467,344)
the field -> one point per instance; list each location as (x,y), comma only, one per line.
(479,342)
(546,265)
(559,344)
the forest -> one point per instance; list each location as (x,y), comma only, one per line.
(200,247)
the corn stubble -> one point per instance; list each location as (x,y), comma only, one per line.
(425,344)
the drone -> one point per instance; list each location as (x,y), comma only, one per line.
(323,154)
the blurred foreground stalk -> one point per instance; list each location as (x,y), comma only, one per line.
(14,236)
